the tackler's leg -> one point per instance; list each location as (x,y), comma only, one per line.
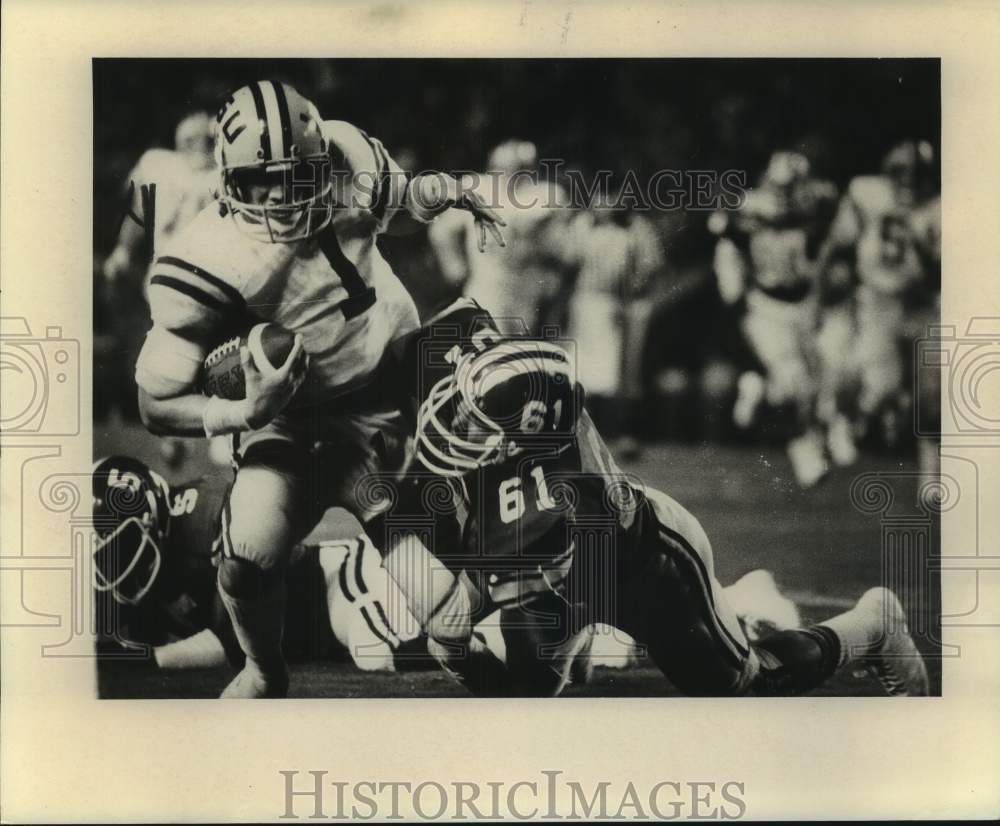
(672,603)
(547,647)
(269,509)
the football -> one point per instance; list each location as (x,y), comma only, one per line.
(222,373)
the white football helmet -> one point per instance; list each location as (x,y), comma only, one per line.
(274,163)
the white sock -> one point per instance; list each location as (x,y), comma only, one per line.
(203,650)
(854,632)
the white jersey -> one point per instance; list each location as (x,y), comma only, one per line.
(878,225)
(335,289)
(508,281)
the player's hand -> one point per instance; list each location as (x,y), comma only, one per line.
(487,220)
(270,390)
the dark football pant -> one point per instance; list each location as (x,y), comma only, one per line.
(656,582)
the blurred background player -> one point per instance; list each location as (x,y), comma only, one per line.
(620,258)
(766,257)
(523,283)
(888,225)
(166,189)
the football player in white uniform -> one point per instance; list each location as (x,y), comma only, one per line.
(890,225)
(767,257)
(521,284)
(291,241)
(167,188)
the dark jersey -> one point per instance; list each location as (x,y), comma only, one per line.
(182,599)
(529,513)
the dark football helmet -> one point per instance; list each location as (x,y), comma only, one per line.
(131,518)
(514,395)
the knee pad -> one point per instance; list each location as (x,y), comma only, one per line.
(242,579)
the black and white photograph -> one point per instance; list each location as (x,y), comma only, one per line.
(554,410)
(427,378)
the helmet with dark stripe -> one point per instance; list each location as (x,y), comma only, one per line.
(514,396)
(274,163)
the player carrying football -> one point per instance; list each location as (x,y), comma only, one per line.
(291,240)
(522,508)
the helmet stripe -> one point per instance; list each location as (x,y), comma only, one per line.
(284,118)
(271,107)
(258,102)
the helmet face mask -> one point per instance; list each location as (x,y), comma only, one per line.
(131,520)
(276,171)
(127,561)
(451,439)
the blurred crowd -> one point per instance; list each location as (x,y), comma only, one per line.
(783,309)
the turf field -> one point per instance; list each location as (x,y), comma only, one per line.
(823,551)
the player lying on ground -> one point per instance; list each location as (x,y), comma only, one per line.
(521,508)
(155,580)
(291,240)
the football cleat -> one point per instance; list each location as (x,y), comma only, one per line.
(840,442)
(808,459)
(253,684)
(894,660)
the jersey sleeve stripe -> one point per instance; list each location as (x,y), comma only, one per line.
(258,102)
(283,117)
(190,291)
(226,289)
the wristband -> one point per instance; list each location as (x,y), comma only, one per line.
(223,416)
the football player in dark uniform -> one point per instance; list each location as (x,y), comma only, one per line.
(155,578)
(517,504)
(155,561)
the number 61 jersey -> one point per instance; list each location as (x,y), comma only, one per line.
(517,520)
(335,288)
